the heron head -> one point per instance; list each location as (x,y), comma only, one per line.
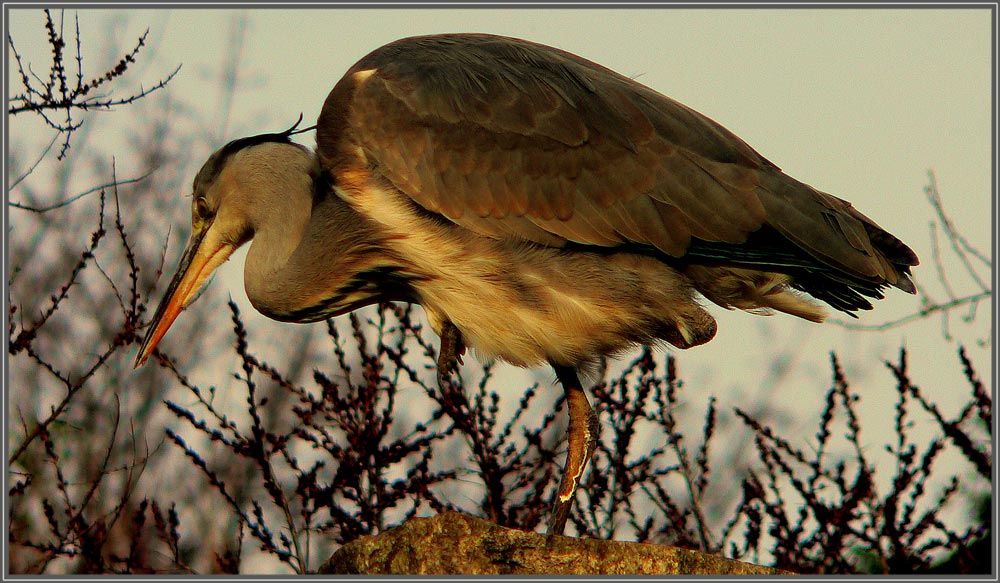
(228,193)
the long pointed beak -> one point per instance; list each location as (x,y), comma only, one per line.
(203,255)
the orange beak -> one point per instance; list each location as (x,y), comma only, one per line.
(203,255)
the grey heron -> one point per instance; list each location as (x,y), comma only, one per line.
(540,207)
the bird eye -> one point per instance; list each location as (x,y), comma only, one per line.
(201,207)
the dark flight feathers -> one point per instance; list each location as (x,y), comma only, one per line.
(509,138)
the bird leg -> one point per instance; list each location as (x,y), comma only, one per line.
(582,441)
(450,356)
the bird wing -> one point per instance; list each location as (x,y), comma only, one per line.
(510,138)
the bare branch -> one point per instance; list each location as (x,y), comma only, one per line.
(964,251)
(31,168)
(44,209)
(55,93)
(934,196)
(923,313)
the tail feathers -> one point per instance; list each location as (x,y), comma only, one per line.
(896,257)
(835,234)
(787,300)
(754,291)
(768,254)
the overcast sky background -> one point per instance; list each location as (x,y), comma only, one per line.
(860,103)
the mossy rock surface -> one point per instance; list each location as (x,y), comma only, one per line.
(452,543)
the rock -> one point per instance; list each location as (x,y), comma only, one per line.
(454,543)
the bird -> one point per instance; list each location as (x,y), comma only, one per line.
(541,208)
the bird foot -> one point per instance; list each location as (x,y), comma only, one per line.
(450,356)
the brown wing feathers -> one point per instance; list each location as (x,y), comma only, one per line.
(512,139)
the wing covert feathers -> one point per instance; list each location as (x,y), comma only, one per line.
(512,139)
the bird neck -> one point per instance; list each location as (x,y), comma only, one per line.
(317,257)
(280,216)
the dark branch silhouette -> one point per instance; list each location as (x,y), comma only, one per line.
(57,95)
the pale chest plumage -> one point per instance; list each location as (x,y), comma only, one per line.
(526,303)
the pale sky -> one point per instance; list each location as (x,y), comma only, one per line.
(860,103)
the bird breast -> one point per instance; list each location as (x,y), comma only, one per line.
(527,303)
(531,304)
